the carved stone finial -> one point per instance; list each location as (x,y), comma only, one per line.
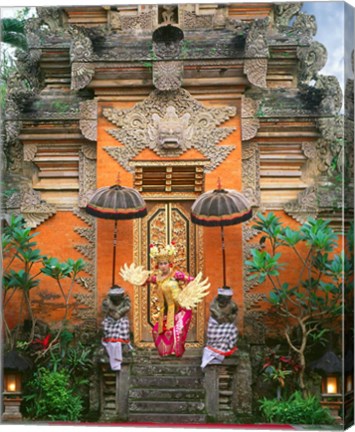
(305,25)
(312,59)
(256,53)
(81,56)
(284,12)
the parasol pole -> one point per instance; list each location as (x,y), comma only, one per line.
(223,256)
(114,252)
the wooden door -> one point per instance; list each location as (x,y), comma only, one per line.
(167,222)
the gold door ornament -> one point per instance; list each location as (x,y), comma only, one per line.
(166,223)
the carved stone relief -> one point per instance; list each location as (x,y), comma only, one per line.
(251,172)
(250,123)
(88,119)
(312,59)
(87,301)
(87,173)
(139,21)
(168,75)
(148,125)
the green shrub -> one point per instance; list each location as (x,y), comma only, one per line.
(295,410)
(50,397)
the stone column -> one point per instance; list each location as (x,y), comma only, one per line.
(242,390)
(212,391)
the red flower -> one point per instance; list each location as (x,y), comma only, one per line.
(151,245)
(173,243)
(170,265)
(44,343)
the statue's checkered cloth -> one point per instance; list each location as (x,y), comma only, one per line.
(221,336)
(116,329)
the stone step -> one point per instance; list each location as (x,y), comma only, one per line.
(166,369)
(153,394)
(166,382)
(171,407)
(167,418)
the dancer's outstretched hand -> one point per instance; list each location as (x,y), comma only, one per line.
(136,275)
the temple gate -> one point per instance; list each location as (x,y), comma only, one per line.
(170,98)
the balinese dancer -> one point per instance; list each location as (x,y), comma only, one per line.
(177,292)
(222,332)
(115,325)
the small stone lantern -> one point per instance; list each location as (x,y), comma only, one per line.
(330,367)
(14,364)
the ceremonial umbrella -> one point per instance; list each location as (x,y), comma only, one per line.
(221,207)
(116,202)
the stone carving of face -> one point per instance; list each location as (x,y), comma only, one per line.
(170,134)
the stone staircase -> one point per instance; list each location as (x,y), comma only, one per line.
(166,390)
(109,393)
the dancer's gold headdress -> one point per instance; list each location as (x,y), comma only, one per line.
(163,253)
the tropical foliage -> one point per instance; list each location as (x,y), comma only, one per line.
(310,304)
(296,410)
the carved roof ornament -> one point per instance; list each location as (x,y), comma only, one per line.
(169,123)
(88,119)
(284,12)
(81,57)
(250,123)
(168,14)
(53,17)
(332,99)
(312,59)
(256,53)
(306,25)
(168,75)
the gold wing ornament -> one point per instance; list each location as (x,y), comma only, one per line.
(136,275)
(193,293)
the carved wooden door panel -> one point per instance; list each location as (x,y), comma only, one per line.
(166,222)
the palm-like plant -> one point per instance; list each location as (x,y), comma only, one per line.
(13,32)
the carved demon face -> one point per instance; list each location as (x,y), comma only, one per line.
(170,135)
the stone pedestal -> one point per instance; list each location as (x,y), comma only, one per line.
(11,409)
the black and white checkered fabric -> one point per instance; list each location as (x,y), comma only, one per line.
(117,329)
(221,336)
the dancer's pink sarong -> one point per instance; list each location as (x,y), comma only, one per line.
(172,341)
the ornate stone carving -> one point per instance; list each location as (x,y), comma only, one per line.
(168,14)
(250,123)
(140,21)
(332,94)
(28,202)
(114,19)
(81,57)
(192,21)
(138,127)
(251,172)
(87,174)
(168,75)
(284,12)
(30,151)
(312,59)
(88,119)
(167,42)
